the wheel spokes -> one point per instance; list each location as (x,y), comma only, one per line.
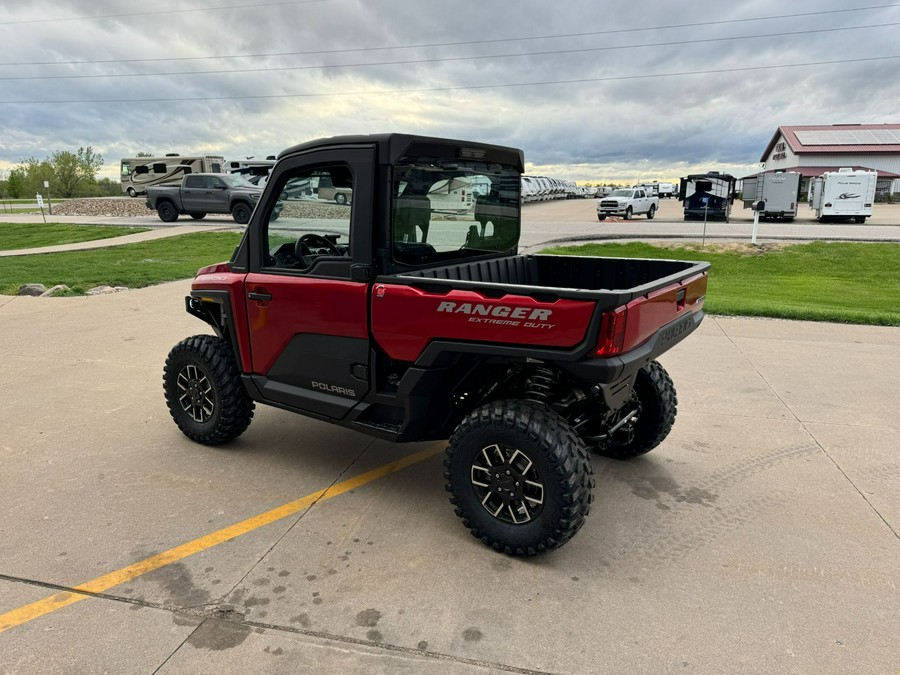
(507,484)
(195,394)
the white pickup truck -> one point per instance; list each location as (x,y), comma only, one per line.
(627,202)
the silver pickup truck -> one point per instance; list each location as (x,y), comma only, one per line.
(202,193)
(627,202)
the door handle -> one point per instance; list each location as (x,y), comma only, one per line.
(258,296)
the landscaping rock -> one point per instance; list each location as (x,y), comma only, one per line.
(59,289)
(32,289)
(121,207)
(105,290)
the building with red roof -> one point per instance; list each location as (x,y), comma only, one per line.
(814,149)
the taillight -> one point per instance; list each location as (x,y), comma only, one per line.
(612,333)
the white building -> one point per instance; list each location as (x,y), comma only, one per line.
(813,149)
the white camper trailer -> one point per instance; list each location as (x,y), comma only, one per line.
(778,192)
(843,195)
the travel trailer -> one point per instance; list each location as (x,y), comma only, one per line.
(778,192)
(844,194)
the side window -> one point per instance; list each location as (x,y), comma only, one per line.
(159,167)
(215,183)
(194,182)
(310,220)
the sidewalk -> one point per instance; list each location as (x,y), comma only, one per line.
(119,241)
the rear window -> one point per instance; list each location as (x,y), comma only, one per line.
(445,209)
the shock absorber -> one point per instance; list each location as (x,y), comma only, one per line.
(541,384)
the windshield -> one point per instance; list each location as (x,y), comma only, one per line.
(238,181)
(620,193)
(448,208)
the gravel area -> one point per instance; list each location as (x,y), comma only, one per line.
(126,207)
(108,207)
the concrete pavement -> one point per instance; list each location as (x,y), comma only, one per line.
(762,536)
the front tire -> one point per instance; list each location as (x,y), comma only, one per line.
(204,392)
(198,216)
(519,477)
(241,213)
(628,213)
(166,211)
(132,192)
(651,212)
(340,198)
(656,403)
(601,217)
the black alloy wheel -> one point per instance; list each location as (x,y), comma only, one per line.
(166,211)
(519,477)
(204,392)
(241,213)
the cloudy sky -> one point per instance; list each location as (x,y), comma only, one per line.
(590,90)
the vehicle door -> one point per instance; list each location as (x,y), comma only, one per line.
(218,196)
(306,314)
(640,201)
(195,193)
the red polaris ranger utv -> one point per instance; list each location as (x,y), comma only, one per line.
(407,313)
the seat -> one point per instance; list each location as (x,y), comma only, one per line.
(411,212)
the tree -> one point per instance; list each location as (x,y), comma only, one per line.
(74,173)
(15,184)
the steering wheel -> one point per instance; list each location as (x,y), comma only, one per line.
(305,245)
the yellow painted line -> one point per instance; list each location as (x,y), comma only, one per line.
(26,613)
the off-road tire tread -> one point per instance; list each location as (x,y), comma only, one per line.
(563,449)
(658,382)
(235,405)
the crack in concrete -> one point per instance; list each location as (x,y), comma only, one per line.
(227,614)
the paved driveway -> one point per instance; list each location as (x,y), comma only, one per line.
(762,535)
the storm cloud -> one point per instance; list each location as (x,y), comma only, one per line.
(591,91)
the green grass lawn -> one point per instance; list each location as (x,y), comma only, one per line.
(131,265)
(843,282)
(14,236)
(820,281)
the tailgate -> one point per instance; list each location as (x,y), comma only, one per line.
(630,326)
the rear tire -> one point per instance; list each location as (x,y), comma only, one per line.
(340,198)
(166,211)
(651,212)
(519,477)
(204,392)
(197,216)
(241,213)
(654,394)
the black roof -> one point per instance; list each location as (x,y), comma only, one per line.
(393,146)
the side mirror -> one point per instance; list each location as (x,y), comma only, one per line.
(759,206)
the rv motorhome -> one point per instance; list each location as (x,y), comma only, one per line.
(136,173)
(778,192)
(843,195)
